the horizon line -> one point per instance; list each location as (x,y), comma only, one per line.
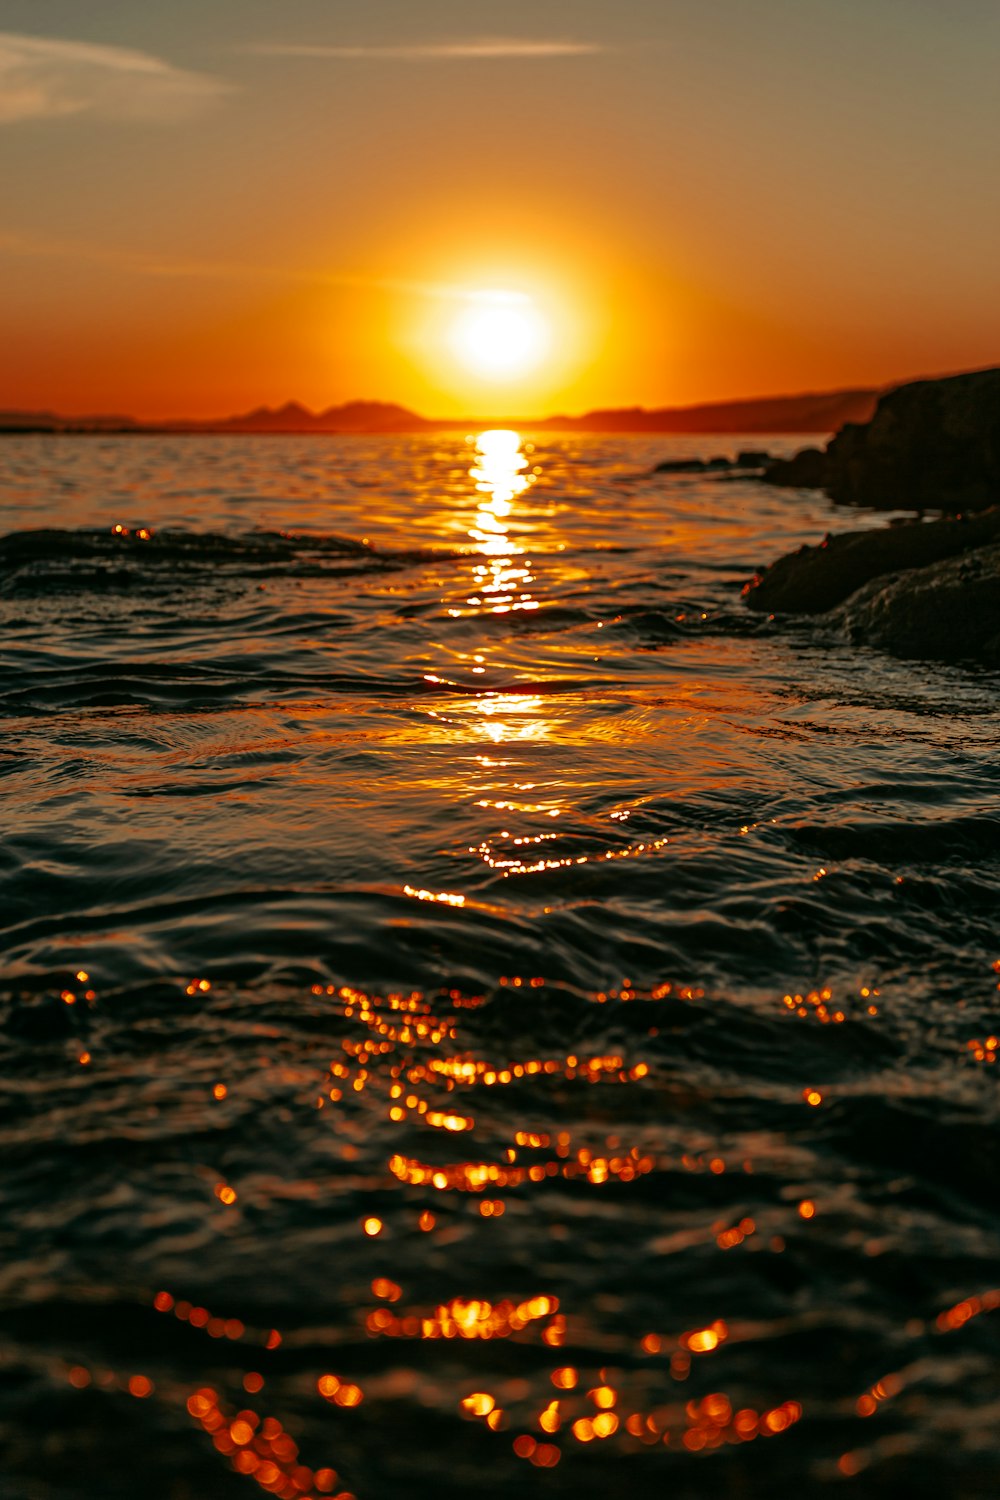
(622,409)
(303,420)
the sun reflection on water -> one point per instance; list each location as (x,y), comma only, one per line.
(512,716)
(501,474)
(502,582)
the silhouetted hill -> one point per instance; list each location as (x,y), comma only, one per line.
(371,416)
(50,421)
(290,417)
(352,416)
(825,411)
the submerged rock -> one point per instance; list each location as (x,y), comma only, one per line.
(949,611)
(931,445)
(747,459)
(815,579)
(690,465)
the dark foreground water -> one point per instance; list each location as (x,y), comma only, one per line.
(484,1014)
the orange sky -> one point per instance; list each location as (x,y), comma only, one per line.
(219,206)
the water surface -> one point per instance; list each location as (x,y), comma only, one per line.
(484,1012)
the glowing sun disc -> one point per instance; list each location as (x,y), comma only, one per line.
(501,337)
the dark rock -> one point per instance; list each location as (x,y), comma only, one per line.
(807,470)
(934,444)
(745,460)
(931,445)
(681,466)
(918,590)
(815,579)
(949,611)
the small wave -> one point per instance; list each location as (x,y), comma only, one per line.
(54,561)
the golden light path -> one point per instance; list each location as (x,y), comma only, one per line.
(502,580)
(501,472)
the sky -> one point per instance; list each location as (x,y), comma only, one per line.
(212,206)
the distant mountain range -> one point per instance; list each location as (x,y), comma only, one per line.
(816,412)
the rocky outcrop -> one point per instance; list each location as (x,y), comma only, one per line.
(806,470)
(749,459)
(816,579)
(693,466)
(947,612)
(931,445)
(919,589)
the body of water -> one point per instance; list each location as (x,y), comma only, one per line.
(483,1012)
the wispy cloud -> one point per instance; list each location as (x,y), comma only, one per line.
(22,244)
(482,48)
(45,78)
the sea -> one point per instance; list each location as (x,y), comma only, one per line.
(484,1013)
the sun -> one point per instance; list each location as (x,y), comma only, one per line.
(500,335)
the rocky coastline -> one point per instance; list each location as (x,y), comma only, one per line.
(918,588)
(930,445)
